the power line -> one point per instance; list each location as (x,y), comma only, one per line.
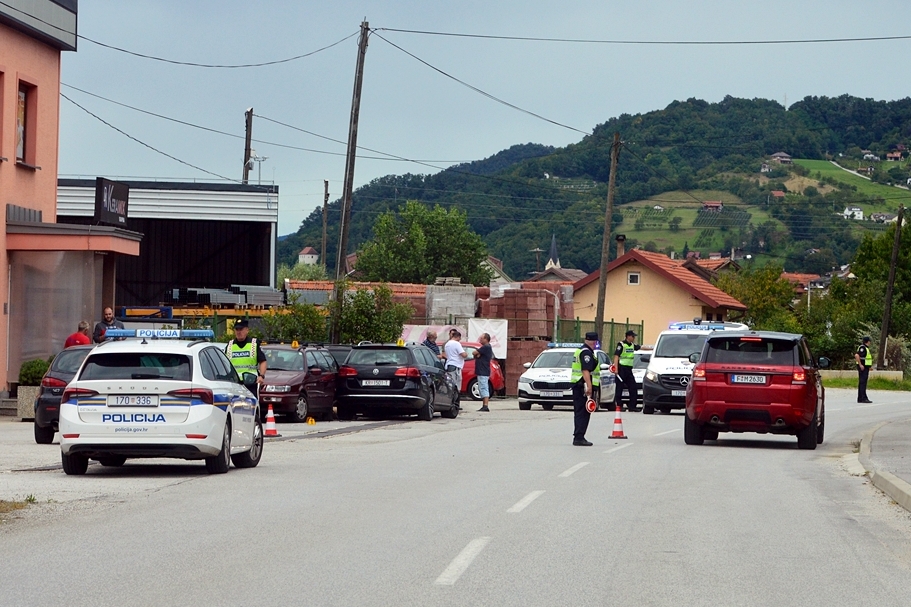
(154,149)
(646,42)
(481,92)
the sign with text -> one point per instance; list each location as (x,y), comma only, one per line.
(111,199)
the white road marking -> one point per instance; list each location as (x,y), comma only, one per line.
(525,501)
(668,432)
(460,563)
(618,447)
(578,466)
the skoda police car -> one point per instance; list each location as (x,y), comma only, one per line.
(163,395)
(546,381)
(669,369)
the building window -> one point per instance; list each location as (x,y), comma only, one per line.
(26,127)
(632,278)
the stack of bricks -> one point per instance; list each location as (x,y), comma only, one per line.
(521,351)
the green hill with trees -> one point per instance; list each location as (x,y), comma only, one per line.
(672,160)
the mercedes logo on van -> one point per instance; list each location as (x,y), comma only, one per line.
(376,371)
(684,381)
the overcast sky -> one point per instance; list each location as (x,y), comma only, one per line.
(410,110)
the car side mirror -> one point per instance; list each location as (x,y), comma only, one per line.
(527,365)
(316,371)
(646,358)
(694,357)
(824,362)
(249,380)
(605,366)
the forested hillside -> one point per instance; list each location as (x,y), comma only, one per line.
(674,159)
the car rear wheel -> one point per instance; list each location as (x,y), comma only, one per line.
(474,390)
(547,406)
(524,406)
(806,438)
(113,461)
(425,413)
(249,459)
(301,411)
(74,464)
(692,432)
(710,434)
(44,436)
(821,431)
(219,464)
(648,409)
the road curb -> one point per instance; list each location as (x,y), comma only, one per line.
(888,483)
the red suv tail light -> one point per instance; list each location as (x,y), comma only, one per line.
(698,374)
(347,372)
(799,377)
(53,382)
(407,372)
(71,393)
(200,393)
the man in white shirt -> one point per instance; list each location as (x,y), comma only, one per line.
(455,357)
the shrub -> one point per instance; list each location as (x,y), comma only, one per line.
(31,371)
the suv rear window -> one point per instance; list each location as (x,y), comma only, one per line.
(751,350)
(379,356)
(139,365)
(68,361)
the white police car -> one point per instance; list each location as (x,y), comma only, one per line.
(546,381)
(669,368)
(158,397)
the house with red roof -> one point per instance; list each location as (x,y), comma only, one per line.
(308,256)
(655,290)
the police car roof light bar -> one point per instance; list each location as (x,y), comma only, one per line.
(161,333)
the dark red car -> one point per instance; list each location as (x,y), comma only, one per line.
(470,380)
(756,381)
(300,382)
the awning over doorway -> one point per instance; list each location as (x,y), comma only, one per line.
(37,236)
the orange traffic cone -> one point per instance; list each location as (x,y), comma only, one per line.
(270,423)
(618,426)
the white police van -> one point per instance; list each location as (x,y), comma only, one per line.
(669,369)
(171,393)
(546,381)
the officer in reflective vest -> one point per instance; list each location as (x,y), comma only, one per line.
(245,354)
(624,356)
(864,359)
(585,377)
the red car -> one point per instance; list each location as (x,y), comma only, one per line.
(470,381)
(756,381)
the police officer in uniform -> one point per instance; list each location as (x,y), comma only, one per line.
(244,352)
(586,376)
(864,359)
(623,362)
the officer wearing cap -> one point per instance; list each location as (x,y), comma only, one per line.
(864,359)
(245,353)
(584,379)
(624,355)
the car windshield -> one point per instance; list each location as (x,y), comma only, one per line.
(554,360)
(679,346)
(755,351)
(137,365)
(68,361)
(378,357)
(284,360)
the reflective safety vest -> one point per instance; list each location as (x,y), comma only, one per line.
(868,359)
(627,356)
(576,374)
(243,359)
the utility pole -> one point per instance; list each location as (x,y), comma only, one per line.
(887,314)
(322,253)
(537,251)
(605,240)
(249,135)
(352,152)
(349,171)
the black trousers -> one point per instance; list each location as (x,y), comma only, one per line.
(581,416)
(862,375)
(626,378)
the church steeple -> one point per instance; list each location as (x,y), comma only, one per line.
(553,260)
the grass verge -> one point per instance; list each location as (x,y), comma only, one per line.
(874,383)
(11,506)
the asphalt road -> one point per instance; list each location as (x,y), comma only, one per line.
(487,509)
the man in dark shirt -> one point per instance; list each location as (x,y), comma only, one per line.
(108,322)
(431,342)
(482,358)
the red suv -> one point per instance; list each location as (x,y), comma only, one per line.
(756,381)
